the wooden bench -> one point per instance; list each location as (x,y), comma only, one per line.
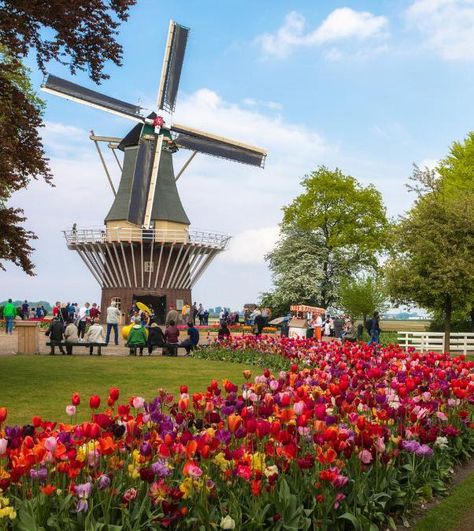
(54,344)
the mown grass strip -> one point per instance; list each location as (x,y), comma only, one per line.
(450,513)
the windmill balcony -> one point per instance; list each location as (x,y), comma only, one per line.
(76,237)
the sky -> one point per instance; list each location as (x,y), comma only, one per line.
(370,87)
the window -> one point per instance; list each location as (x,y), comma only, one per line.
(149,267)
(118,302)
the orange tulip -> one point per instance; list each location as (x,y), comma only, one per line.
(234,422)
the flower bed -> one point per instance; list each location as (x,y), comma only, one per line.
(347,437)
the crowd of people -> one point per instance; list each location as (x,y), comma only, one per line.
(73,324)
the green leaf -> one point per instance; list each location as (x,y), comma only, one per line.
(353,519)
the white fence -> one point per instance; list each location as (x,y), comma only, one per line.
(424,341)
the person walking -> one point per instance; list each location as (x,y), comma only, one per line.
(95,334)
(25,310)
(194,313)
(137,337)
(192,340)
(172,315)
(83,317)
(9,314)
(94,312)
(318,327)
(259,323)
(374,329)
(201,314)
(70,336)
(55,334)
(327,327)
(112,319)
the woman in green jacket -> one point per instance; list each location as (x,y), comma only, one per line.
(137,337)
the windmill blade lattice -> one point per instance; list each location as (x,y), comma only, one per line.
(72,91)
(172,66)
(217,146)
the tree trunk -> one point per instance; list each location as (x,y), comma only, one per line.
(448,311)
(472,319)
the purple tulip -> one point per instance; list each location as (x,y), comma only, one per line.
(103,482)
(82,506)
(146,449)
(161,468)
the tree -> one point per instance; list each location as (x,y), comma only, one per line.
(80,34)
(432,263)
(362,296)
(333,230)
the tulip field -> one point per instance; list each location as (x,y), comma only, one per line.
(315,436)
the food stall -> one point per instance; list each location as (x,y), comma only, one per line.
(300,323)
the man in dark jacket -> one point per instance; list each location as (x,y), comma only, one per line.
(374,329)
(259,322)
(192,340)
(56,334)
(156,338)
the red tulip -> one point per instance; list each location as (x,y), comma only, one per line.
(36,421)
(3,414)
(94,401)
(183,389)
(114,393)
(95,430)
(76,399)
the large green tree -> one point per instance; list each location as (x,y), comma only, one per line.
(362,296)
(78,33)
(433,260)
(330,232)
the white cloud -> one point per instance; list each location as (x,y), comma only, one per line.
(251,246)
(447,25)
(342,25)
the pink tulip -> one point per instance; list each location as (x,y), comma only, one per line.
(365,456)
(50,444)
(71,410)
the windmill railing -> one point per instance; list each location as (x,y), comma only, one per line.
(125,234)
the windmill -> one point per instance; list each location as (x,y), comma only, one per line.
(146,250)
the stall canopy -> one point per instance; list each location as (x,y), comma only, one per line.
(303,308)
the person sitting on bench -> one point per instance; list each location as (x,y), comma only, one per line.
(137,337)
(70,336)
(156,338)
(95,334)
(55,334)
(192,340)
(171,336)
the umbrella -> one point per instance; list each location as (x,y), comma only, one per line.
(278,321)
(144,308)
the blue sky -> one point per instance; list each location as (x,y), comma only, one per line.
(368,86)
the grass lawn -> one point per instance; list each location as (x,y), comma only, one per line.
(455,513)
(43,385)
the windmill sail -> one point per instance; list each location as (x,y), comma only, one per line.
(72,91)
(172,66)
(218,146)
